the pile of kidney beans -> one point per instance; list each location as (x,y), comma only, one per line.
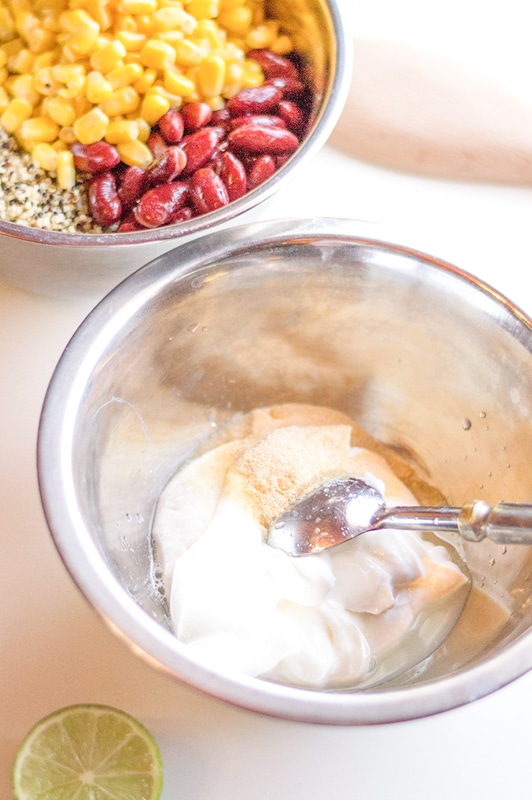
(203,159)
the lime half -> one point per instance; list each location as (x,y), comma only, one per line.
(88,752)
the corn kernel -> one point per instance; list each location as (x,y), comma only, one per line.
(22,62)
(12,48)
(167,19)
(109,57)
(91,127)
(39,129)
(4,75)
(124,75)
(233,80)
(216,103)
(98,88)
(45,60)
(171,37)
(81,104)
(72,78)
(45,156)
(124,100)
(252,74)
(22,86)
(135,154)
(7,25)
(125,22)
(282,45)
(3,58)
(137,6)
(153,107)
(177,83)
(100,12)
(238,20)
(44,82)
(157,54)
(66,171)
(148,78)
(4,100)
(144,24)
(204,9)
(66,136)
(122,130)
(144,129)
(63,73)
(17,112)
(61,110)
(25,22)
(188,53)
(208,30)
(83,42)
(261,36)
(211,76)
(77,21)
(132,40)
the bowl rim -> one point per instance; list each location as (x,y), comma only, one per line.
(94,578)
(338,84)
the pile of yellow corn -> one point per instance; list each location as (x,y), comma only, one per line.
(91,70)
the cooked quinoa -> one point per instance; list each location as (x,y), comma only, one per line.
(30,196)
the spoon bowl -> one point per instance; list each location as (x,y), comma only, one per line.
(345,508)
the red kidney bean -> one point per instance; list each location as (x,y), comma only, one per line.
(129,224)
(104,204)
(258,139)
(196,115)
(200,147)
(273,65)
(233,174)
(96,157)
(269,120)
(262,169)
(132,184)
(292,115)
(207,191)
(291,88)
(172,126)
(158,206)
(221,117)
(157,143)
(183,214)
(167,167)
(256,100)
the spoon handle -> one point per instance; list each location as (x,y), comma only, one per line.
(504,523)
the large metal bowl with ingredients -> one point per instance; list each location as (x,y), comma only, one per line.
(49,243)
(432,363)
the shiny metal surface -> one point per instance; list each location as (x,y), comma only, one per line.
(428,359)
(73,265)
(347,507)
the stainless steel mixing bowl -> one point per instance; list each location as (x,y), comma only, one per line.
(427,358)
(75,265)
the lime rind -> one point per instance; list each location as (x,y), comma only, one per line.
(88,752)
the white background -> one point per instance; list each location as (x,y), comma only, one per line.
(53,649)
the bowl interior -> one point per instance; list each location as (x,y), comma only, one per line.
(427,359)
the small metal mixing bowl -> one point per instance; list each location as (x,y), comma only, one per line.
(428,359)
(77,265)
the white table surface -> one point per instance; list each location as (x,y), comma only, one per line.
(55,651)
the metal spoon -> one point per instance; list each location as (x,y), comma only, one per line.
(348,507)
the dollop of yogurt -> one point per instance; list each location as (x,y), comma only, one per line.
(353,616)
